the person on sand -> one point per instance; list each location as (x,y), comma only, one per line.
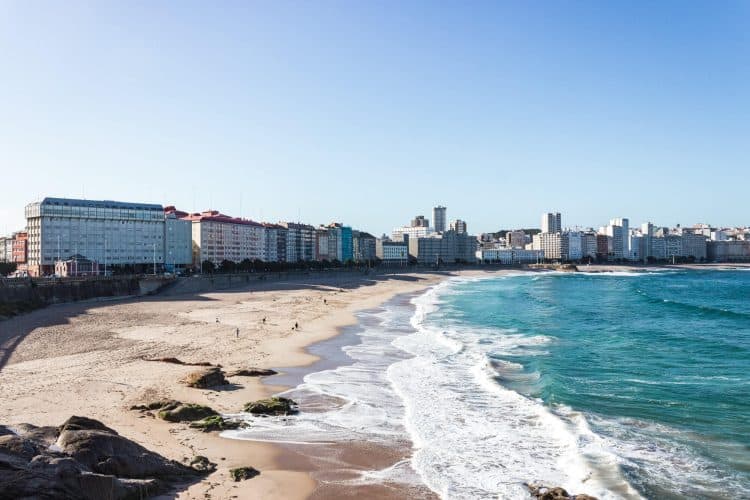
(217,320)
(296,325)
(237,333)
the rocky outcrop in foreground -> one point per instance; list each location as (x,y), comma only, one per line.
(206,378)
(547,493)
(272,406)
(84,459)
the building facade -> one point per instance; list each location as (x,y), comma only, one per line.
(363,246)
(439,214)
(551,222)
(458,226)
(449,247)
(509,256)
(392,252)
(218,237)
(108,232)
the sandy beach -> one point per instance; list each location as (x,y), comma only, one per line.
(90,359)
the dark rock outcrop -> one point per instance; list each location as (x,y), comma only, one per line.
(88,461)
(272,406)
(186,413)
(252,372)
(243,473)
(214,423)
(554,493)
(176,361)
(207,378)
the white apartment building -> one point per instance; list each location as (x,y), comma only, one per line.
(392,251)
(619,230)
(509,256)
(218,237)
(107,232)
(411,231)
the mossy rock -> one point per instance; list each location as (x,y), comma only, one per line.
(272,406)
(203,464)
(186,413)
(166,404)
(243,473)
(214,423)
(206,378)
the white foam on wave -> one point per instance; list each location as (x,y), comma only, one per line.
(476,439)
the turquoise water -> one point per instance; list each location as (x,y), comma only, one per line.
(657,364)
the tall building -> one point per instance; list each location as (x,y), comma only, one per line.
(647,237)
(439,218)
(619,230)
(178,241)
(551,223)
(458,226)
(108,232)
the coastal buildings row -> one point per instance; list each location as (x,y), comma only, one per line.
(70,236)
(102,235)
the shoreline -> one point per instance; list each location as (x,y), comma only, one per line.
(88,359)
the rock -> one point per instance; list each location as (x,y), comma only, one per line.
(201,463)
(272,406)
(166,404)
(547,493)
(204,379)
(214,423)
(243,473)
(103,451)
(176,361)
(90,461)
(252,372)
(186,413)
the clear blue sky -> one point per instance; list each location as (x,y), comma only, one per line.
(369,113)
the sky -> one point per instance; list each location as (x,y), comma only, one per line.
(369,113)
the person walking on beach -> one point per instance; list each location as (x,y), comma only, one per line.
(296,325)
(217,320)
(237,333)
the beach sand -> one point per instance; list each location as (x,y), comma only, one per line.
(88,359)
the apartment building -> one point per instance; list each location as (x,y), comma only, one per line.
(218,237)
(300,242)
(515,239)
(363,246)
(108,232)
(449,247)
(392,252)
(509,256)
(458,226)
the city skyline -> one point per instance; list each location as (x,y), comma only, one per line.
(281,112)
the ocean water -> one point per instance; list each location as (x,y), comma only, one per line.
(619,385)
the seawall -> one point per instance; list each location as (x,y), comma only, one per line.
(22,295)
